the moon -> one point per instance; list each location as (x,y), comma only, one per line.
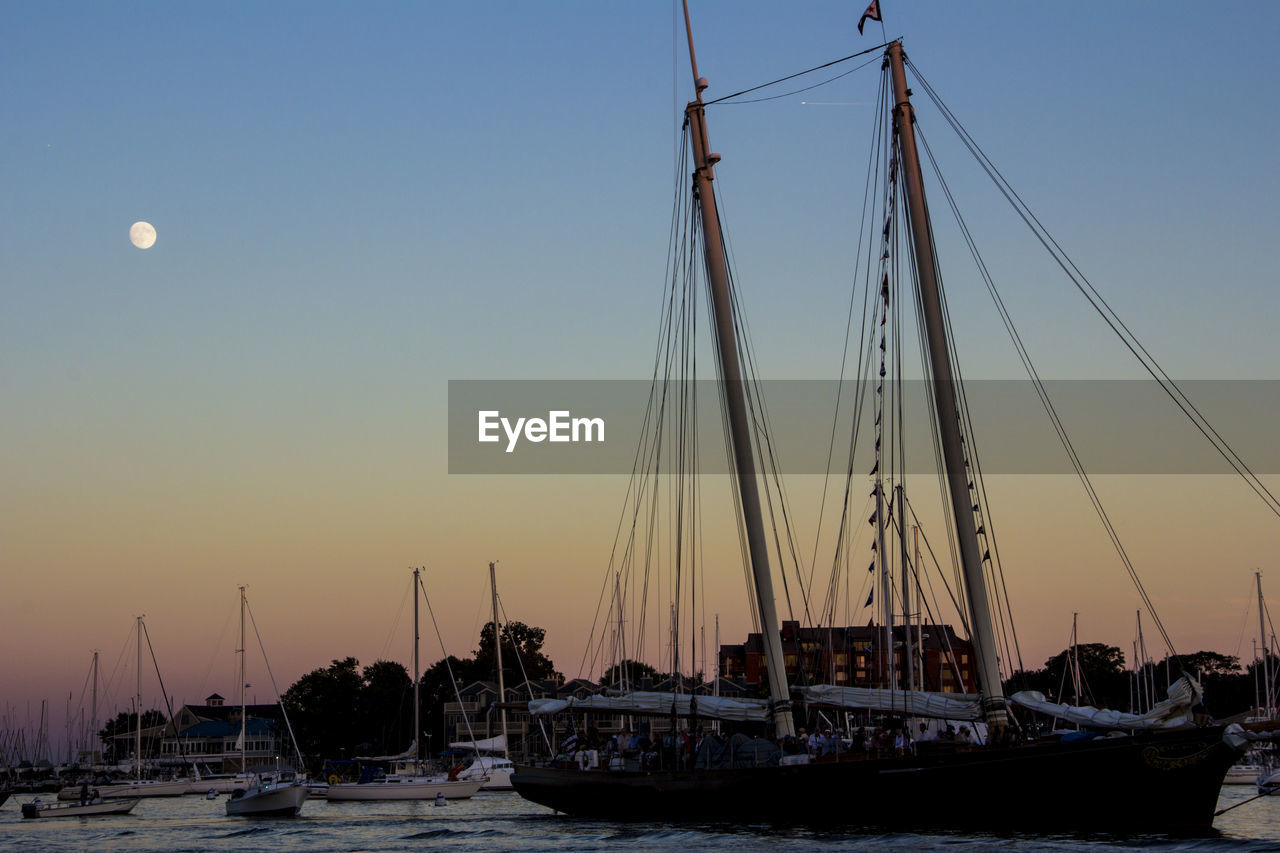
(142,235)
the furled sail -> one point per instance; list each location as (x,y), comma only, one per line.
(489,744)
(652,702)
(1174,712)
(950,706)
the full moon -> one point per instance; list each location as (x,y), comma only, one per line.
(142,235)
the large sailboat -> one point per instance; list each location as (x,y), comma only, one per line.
(1012,779)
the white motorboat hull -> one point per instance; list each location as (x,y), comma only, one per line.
(407,789)
(268,801)
(98,807)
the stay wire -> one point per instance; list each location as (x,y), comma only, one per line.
(876,49)
(1104,309)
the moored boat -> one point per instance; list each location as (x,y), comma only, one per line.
(271,792)
(1014,779)
(131,788)
(37,809)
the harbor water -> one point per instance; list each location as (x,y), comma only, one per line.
(503,821)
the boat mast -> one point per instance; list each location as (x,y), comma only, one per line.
(497,644)
(735,397)
(886,595)
(1266,647)
(1075,657)
(906,590)
(137,765)
(982,634)
(1148,673)
(93,715)
(243,745)
(417,677)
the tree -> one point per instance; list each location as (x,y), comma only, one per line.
(385,712)
(125,723)
(1103,680)
(340,711)
(631,671)
(521,654)
(321,704)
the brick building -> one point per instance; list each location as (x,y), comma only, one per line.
(855,657)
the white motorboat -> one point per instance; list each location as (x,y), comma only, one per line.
(271,794)
(37,809)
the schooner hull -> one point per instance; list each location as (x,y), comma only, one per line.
(1163,782)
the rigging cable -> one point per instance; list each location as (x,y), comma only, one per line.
(1104,309)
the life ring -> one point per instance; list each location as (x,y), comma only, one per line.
(333,778)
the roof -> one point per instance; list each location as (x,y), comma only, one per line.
(223,729)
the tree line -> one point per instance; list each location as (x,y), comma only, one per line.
(342,710)
(1229,688)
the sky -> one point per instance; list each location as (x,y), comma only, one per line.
(356,203)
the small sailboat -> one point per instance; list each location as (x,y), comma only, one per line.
(271,792)
(138,786)
(407,781)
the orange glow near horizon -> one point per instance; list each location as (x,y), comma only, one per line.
(330,581)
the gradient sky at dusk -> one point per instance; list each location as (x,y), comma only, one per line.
(356,203)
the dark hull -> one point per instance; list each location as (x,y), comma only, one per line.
(1165,782)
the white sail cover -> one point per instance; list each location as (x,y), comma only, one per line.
(489,744)
(1174,712)
(949,706)
(650,702)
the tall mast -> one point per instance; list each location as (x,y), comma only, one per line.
(417,677)
(735,397)
(137,766)
(497,645)
(1262,641)
(982,633)
(243,745)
